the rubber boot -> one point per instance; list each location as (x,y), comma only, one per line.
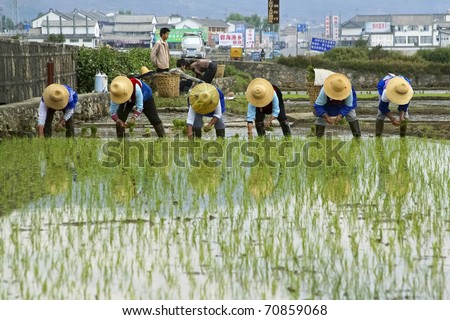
(285,128)
(260,128)
(320,131)
(70,128)
(159,128)
(354,126)
(403,127)
(220,133)
(197,132)
(379,126)
(120,131)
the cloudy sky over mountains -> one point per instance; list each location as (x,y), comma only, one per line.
(302,10)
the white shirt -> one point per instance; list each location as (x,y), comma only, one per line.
(192,113)
(42,113)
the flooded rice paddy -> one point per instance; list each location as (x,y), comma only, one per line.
(270,219)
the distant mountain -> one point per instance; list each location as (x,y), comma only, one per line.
(296,10)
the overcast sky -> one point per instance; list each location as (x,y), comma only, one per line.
(301,10)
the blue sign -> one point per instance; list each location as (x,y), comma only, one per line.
(301,27)
(322,44)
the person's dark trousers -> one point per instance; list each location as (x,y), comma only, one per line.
(185,85)
(282,119)
(149,110)
(70,127)
(122,112)
(209,74)
(162,70)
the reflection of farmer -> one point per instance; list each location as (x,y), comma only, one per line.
(205,100)
(204,180)
(265,98)
(261,182)
(393,169)
(56,97)
(123,187)
(132,95)
(398,90)
(337,99)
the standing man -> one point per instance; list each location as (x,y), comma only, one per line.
(265,98)
(398,90)
(336,100)
(160,55)
(204,69)
(132,95)
(54,98)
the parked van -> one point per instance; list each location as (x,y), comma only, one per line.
(192,46)
(236,53)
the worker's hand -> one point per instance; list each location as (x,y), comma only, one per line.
(131,123)
(60,125)
(267,124)
(328,119)
(121,123)
(207,128)
(395,121)
(337,119)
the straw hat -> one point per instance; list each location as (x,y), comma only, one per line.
(120,89)
(145,71)
(204,98)
(337,86)
(56,96)
(399,91)
(259,92)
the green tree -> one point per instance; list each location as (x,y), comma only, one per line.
(6,23)
(56,38)
(360,43)
(261,24)
(440,55)
(235,17)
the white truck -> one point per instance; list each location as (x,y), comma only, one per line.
(192,46)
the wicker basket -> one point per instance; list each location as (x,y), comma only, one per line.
(313,92)
(220,71)
(167,85)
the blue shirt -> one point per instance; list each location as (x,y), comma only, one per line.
(383,105)
(251,109)
(140,95)
(325,105)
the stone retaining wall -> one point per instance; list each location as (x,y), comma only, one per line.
(19,119)
(290,78)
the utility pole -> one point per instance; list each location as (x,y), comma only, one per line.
(1,20)
(15,16)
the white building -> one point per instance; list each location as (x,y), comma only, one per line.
(399,31)
(130,31)
(79,28)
